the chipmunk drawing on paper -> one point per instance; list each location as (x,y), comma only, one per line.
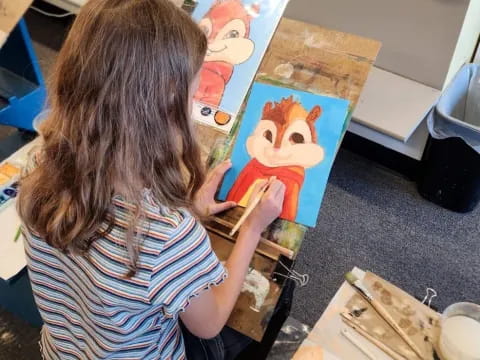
(283,144)
(227,27)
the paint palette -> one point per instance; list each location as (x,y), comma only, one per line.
(418,321)
(9,174)
(259,294)
(211,116)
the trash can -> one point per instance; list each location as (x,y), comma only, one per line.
(451,162)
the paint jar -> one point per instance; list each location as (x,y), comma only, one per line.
(460,332)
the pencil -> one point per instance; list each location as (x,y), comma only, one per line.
(251,206)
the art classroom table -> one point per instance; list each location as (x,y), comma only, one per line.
(15,291)
(326,335)
(304,57)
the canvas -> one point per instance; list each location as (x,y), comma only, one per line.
(238,33)
(292,135)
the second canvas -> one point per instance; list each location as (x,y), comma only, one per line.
(292,135)
(238,33)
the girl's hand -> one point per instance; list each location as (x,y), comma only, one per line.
(204,201)
(269,207)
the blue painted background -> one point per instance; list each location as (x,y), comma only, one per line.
(329,128)
(265,23)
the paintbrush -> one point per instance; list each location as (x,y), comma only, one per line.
(348,320)
(358,344)
(255,201)
(357,284)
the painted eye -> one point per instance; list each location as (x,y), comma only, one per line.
(296,138)
(268,135)
(232,34)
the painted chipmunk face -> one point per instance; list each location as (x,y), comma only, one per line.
(227,27)
(286,136)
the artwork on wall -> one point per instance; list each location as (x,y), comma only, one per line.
(238,34)
(292,135)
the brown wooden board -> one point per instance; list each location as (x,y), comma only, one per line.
(247,317)
(311,58)
(419,322)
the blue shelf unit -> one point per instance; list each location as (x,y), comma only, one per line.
(22,87)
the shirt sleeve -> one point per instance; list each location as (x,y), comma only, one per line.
(186,266)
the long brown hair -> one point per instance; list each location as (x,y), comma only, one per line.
(118,118)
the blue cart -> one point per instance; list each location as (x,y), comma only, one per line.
(22,88)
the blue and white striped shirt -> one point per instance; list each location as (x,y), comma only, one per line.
(92,311)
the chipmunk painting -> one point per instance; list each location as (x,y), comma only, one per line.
(227,27)
(283,144)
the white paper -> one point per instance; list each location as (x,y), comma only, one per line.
(12,253)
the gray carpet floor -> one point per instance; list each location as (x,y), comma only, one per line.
(371,218)
(376,220)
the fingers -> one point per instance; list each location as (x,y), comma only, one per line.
(216,175)
(219,207)
(276,189)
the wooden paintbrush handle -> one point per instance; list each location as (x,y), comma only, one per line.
(348,321)
(252,205)
(247,212)
(388,318)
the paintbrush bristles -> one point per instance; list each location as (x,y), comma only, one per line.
(351,278)
(357,284)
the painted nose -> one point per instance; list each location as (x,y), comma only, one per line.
(277,145)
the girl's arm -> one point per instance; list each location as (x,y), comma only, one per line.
(208,314)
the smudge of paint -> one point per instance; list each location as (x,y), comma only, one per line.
(379,331)
(206,111)
(386,297)
(258,285)
(10,192)
(358,312)
(412,331)
(407,310)
(404,323)
(222,118)
(6,337)
(377,286)
(310,41)
(284,70)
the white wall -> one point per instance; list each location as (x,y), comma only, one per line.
(468,40)
(419,36)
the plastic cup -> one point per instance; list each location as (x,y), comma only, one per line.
(460,332)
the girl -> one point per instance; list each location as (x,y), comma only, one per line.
(115,252)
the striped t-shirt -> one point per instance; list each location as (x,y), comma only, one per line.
(91,310)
